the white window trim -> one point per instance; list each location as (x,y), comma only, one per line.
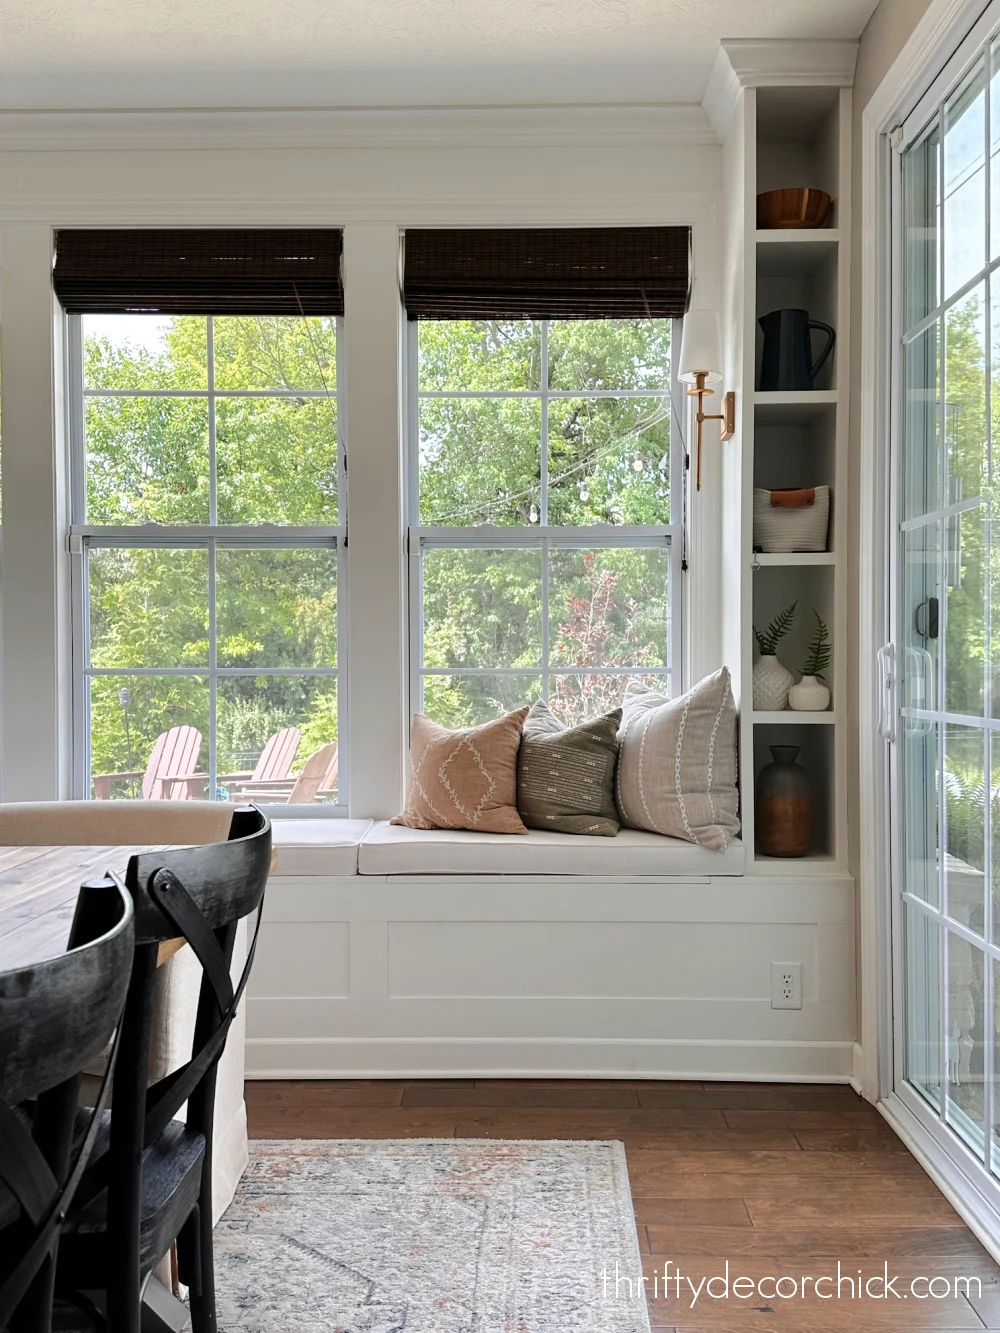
(212,536)
(540,536)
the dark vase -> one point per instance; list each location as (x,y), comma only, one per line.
(784,805)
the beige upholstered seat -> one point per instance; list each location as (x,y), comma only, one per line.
(113,823)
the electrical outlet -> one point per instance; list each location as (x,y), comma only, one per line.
(786,985)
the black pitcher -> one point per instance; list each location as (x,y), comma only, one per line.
(787,363)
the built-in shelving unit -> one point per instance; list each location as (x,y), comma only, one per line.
(782,136)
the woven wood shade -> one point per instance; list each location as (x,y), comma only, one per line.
(584,273)
(200,272)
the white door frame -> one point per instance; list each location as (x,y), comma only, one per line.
(930,48)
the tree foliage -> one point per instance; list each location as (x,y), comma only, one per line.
(275,430)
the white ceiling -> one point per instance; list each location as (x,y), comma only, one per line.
(64,54)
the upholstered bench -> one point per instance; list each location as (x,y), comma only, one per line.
(389,849)
(341,848)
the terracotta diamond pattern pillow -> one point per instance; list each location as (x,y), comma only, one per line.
(464,779)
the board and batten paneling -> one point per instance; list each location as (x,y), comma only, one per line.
(377,976)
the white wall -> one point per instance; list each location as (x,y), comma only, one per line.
(373,175)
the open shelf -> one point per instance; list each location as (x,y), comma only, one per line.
(795,253)
(798,139)
(816,746)
(790,717)
(811,588)
(793,559)
(793,409)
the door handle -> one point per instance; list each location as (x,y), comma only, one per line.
(926,618)
(885,660)
(922,696)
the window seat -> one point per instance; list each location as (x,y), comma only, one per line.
(317,846)
(389,849)
(344,847)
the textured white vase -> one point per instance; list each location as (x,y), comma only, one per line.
(771,683)
(809,696)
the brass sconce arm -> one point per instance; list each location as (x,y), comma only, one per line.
(727,416)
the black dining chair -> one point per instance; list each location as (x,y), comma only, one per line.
(55,1017)
(149,1183)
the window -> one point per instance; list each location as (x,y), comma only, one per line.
(207,492)
(545,496)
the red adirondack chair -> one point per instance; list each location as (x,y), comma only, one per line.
(315,782)
(273,766)
(170,772)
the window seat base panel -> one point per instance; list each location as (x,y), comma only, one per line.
(459,976)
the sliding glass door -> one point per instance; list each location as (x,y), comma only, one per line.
(946,559)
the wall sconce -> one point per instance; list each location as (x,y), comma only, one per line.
(701,359)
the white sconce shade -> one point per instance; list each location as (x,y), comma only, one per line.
(701,347)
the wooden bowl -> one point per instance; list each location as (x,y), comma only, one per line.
(792,208)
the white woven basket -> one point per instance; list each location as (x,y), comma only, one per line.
(782,529)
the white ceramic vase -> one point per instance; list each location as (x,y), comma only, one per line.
(809,696)
(771,683)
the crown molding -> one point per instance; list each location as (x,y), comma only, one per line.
(753,63)
(121,207)
(722,94)
(383,127)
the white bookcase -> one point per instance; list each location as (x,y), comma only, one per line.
(784,112)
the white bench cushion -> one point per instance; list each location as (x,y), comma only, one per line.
(388,849)
(317,846)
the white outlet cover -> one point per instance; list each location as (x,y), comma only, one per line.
(786,985)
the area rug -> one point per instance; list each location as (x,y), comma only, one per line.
(430,1236)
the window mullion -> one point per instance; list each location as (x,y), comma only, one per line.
(213,679)
(544,515)
(543,462)
(213,507)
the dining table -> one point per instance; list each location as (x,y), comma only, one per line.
(38,892)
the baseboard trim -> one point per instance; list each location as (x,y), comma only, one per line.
(748,1061)
(857,1068)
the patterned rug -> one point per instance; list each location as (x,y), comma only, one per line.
(429,1236)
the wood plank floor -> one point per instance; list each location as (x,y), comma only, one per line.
(783,1180)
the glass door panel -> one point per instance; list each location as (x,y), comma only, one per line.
(946,764)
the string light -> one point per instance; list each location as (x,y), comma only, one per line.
(533,514)
(584,492)
(637,463)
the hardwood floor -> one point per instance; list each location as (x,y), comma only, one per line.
(783,1180)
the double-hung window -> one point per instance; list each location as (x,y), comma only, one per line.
(546,513)
(207,496)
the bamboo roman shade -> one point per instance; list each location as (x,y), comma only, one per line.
(571,273)
(200,272)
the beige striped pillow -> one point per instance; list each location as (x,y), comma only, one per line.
(677,767)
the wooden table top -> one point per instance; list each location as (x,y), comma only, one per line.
(38,892)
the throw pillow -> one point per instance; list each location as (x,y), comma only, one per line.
(566,775)
(677,768)
(464,779)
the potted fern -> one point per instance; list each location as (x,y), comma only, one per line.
(771,681)
(811,695)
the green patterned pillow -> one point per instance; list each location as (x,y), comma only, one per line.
(566,775)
